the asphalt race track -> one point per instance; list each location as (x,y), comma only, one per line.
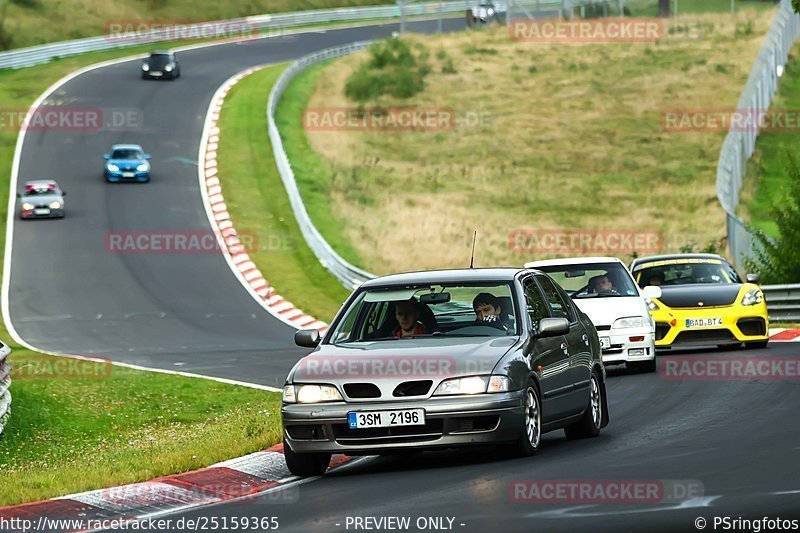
(69,294)
(739,441)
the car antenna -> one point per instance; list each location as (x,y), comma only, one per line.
(472,257)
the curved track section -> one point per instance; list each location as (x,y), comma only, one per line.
(69,294)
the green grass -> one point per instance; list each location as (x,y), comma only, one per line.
(767,179)
(649,8)
(70,435)
(259,205)
(315,177)
(27,26)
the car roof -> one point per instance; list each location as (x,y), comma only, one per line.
(40,183)
(161,52)
(467,275)
(573,261)
(126,147)
(666,257)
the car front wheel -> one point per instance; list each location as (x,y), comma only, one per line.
(305,464)
(531,436)
(592,419)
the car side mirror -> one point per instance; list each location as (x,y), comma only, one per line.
(147,156)
(19,195)
(63,193)
(652,292)
(752,278)
(106,156)
(307,338)
(552,327)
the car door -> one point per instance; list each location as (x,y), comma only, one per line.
(548,357)
(577,343)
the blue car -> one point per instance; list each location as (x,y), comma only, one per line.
(127,162)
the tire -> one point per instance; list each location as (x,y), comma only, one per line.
(305,464)
(591,421)
(531,434)
(756,344)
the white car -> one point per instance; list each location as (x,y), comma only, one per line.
(604,289)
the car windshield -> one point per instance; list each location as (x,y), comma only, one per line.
(593,280)
(428,311)
(159,60)
(685,272)
(126,153)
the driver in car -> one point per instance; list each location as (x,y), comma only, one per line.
(601,284)
(407,314)
(489,311)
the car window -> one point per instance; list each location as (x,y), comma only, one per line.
(587,280)
(558,304)
(685,272)
(126,154)
(535,302)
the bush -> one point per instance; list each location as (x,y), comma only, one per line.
(778,260)
(392,69)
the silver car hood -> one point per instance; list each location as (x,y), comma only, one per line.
(42,199)
(391,362)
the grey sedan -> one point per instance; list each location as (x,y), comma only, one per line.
(444,359)
(41,199)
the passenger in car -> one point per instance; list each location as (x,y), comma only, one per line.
(488,309)
(601,283)
(407,314)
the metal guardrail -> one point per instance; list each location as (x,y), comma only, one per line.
(783,302)
(755,100)
(348,275)
(25,57)
(5,385)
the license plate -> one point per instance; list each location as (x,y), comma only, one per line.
(703,322)
(155,73)
(605,342)
(41,211)
(128,174)
(385,419)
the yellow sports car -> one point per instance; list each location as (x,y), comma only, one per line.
(703,301)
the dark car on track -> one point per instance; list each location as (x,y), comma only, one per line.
(408,365)
(41,199)
(161,64)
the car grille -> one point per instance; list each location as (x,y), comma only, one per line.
(413,388)
(705,336)
(752,326)
(473,424)
(431,430)
(362,390)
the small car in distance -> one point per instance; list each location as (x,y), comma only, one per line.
(704,302)
(162,64)
(408,364)
(127,162)
(41,199)
(602,287)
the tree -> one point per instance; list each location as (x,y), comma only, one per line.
(778,260)
(796,5)
(664,10)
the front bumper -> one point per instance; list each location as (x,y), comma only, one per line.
(52,213)
(449,422)
(118,176)
(739,324)
(625,350)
